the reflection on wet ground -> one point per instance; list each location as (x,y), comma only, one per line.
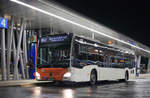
(132,89)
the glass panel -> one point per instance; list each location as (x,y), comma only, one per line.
(57,55)
(43,59)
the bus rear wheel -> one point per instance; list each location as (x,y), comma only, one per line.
(126,76)
(93,77)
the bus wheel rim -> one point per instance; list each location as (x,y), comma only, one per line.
(126,77)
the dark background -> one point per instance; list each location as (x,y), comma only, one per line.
(130,17)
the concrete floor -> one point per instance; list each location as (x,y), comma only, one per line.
(136,88)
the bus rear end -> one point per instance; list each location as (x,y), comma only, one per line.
(53,61)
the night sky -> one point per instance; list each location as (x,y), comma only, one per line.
(129,17)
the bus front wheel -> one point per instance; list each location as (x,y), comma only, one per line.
(126,78)
(93,77)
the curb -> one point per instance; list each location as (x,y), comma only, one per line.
(20,83)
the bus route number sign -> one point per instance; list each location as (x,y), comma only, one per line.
(3,22)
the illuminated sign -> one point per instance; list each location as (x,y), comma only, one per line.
(3,22)
(58,38)
(44,40)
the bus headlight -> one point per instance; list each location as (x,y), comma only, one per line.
(67,75)
(37,76)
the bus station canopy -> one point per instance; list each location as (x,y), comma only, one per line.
(40,14)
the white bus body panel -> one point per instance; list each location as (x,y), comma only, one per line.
(111,73)
(83,75)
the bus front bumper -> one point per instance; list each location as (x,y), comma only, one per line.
(65,77)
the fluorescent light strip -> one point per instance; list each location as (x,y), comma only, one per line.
(77,24)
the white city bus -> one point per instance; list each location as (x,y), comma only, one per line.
(68,57)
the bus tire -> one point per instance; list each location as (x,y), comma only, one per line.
(126,76)
(93,77)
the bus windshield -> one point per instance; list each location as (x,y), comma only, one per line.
(54,51)
(54,56)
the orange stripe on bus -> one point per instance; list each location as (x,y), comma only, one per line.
(57,73)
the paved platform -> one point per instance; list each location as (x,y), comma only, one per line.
(33,81)
(141,76)
(144,76)
(19,82)
(137,88)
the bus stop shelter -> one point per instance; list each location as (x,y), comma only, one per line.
(29,18)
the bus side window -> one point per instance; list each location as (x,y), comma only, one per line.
(112,60)
(107,61)
(76,50)
(82,52)
(101,61)
(100,58)
(91,54)
(79,55)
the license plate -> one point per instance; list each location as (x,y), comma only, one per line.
(45,78)
(51,79)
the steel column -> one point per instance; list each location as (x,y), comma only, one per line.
(93,35)
(4,75)
(148,66)
(14,54)
(138,63)
(18,50)
(25,53)
(22,66)
(9,47)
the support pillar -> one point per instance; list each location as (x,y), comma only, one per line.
(16,77)
(93,35)
(3,57)
(25,60)
(22,66)
(10,33)
(138,61)
(138,65)
(148,66)
(14,54)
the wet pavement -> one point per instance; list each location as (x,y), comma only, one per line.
(138,88)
